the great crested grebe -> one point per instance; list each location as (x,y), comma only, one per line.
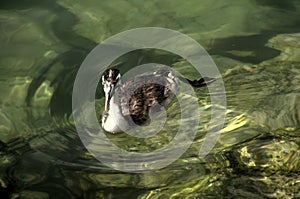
(130,103)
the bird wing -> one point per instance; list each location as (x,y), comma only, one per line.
(138,95)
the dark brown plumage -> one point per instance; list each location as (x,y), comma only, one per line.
(136,97)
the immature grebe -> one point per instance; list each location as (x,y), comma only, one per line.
(131,102)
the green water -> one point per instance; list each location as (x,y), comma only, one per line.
(256,46)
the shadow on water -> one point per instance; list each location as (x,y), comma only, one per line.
(78,47)
(287,5)
(42,172)
(248,49)
(30,169)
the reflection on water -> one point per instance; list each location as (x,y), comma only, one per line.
(256,47)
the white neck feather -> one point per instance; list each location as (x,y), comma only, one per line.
(115,121)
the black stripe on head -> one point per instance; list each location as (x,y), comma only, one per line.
(111,75)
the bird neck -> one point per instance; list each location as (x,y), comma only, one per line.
(108,98)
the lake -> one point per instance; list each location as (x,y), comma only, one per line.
(255,46)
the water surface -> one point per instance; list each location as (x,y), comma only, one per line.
(255,45)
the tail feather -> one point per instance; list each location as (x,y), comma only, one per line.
(198,83)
